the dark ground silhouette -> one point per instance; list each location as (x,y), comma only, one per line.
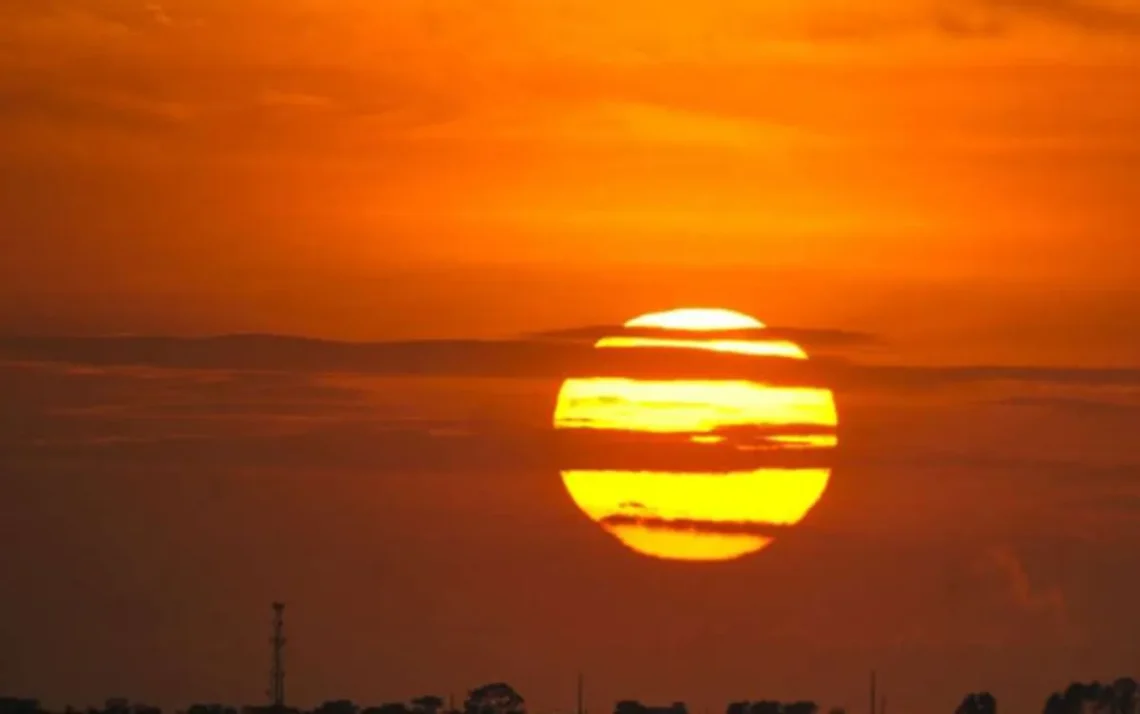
(1119,697)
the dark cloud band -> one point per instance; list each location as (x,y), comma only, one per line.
(526,359)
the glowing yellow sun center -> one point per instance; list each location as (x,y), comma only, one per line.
(697,319)
(693,514)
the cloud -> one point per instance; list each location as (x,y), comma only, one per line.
(199,76)
(436,61)
(333,112)
(158,13)
(1045,602)
(811,339)
(590,449)
(689,525)
(109,106)
(992,602)
(1075,405)
(527,359)
(990,18)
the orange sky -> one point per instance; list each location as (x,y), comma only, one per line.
(224,157)
(958,178)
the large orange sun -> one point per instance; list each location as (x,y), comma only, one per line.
(687,513)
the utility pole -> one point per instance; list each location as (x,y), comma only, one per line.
(277,669)
(872,708)
(581,709)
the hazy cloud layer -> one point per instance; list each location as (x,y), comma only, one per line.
(826,339)
(533,359)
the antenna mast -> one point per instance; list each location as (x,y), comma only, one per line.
(277,669)
(872,710)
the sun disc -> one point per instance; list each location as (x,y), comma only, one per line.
(700,515)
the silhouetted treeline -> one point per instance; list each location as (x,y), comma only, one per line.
(1120,697)
(770,706)
(494,698)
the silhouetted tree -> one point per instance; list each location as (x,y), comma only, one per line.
(801,707)
(767,706)
(15,705)
(337,706)
(428,704)
(1055,704)
(1120,697)
(632,706)
(1124,690)
(210,709)
(494,698)
(737,708)
(1074,697)
(978,703)
(1103,698)
(389,708)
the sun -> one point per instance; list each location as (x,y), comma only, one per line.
(695,319)
(682,511)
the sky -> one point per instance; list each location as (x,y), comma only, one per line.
(950,185)
(268,165)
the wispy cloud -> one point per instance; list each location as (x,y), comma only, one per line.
(532,359)
(811,338)
(1073,405)
(989,18)
(1046,602)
